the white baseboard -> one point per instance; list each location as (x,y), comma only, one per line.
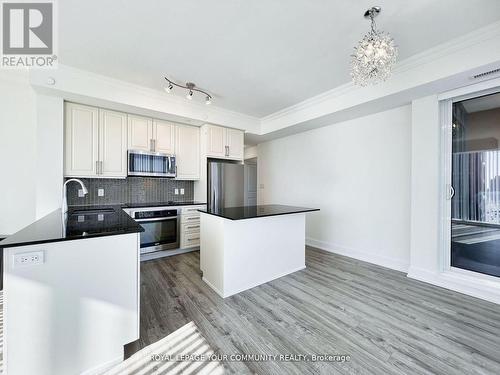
(103,368)
(470,285)
(253,285)
(370,257)
(213,287)
(167,253)
(457,282)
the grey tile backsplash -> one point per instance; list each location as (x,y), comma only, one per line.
(130,190)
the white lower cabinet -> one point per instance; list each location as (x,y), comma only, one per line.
(190,226)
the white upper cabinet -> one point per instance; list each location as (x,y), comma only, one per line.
(150,135)
(140,133)
(215,141)
(223,143)
(163,137)
(112,143)
(235,144)
(95,142)
(187,152)
(81,140)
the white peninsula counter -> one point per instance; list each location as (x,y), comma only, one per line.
(243,247)
(71,292)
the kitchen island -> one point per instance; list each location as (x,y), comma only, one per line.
(71,292)
(243,247)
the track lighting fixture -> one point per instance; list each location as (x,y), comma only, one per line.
(191,87)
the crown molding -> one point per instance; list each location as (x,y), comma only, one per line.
(82,82)
(482,35)
(74,81)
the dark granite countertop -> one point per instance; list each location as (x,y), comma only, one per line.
(89,224)
(252,212)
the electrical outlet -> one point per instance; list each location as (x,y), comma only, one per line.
(182,191)
(100,192)
(80,193)
(176,191)
(28,259)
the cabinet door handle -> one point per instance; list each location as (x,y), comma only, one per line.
(97,167)
(102,168)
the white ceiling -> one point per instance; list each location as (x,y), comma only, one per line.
(256,57)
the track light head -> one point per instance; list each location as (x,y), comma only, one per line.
(169,88)
(208,100)
(189,95)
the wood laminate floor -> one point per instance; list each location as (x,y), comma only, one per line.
(386,322)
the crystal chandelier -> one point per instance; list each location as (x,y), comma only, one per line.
(374,56)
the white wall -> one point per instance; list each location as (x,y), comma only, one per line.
(251,152)
(425,184)
(31,133)
(17,151)
(358,173)
(49,160)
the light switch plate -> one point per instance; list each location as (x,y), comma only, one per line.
(176,191)
(100,192)
(80,193)
(182,191)
(28,259)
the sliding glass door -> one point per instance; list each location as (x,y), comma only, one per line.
(475,181)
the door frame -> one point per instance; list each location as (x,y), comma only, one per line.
(446,101)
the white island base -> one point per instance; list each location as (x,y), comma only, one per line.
(236,255)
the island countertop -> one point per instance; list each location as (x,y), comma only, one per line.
(252,212)
(90,224)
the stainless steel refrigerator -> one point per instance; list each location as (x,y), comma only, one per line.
(226,185)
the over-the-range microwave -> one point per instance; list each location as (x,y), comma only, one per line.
(153,164)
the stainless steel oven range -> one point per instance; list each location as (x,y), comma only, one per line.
(161,228)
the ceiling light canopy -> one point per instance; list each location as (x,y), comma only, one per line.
(375,54)
(191,89)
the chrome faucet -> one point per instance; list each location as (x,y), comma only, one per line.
(64,205)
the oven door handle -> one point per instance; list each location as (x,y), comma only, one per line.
(156,219)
